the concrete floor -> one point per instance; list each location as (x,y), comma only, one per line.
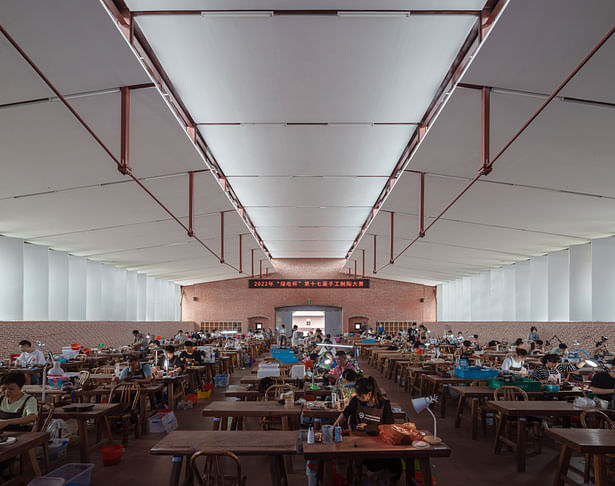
(471,462)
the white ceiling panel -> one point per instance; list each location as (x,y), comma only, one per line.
(526,208)
(550,38)
(310,192)
(75,44)
(307,150)
(18,80)
(279,216)
(301,4)
(332,248)
(306,69)
(288,232)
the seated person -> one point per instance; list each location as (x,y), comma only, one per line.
(561,349)
(326,360)
(347,383)
(365,412)
(342,365)
(516,362)
(31,358)
(476,343)
(135,371)
(519,343)
(190,355)
(18,410)
(169,362)
(465,351)
(538,347)
(547,371)
(140,342)
(601,350)
(493,345)
(603,384)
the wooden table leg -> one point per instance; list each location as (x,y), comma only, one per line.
(216,423)
(443,401)
(224,423)
(460,404)
(176,470)
(497,446)
(84,446)
(474,418)
(521,440)
(143,420)
(425,471)
(107,427)
(171,394)
(562,466)
(327,477)
(600,470)
(34,462)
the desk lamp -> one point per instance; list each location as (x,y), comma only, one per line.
(420,404)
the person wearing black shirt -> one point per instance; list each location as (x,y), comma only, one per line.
(168,361)
(366,410)
(603,384)
(190,355)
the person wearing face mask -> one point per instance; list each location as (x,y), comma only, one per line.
(342,365)
(603,383)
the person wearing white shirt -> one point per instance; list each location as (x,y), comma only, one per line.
(515,362)
(30,358)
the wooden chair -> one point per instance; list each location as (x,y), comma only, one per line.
(212,471)
(84,377)
(512,393)
(43,420)
(275,391)
(128,395)
(595,419)
(104,370)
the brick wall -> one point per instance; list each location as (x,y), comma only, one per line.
(233,300)
(587,333)
(56,334)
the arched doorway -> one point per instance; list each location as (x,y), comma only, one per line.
(256,323)
(332,317)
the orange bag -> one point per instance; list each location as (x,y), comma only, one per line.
(396,434)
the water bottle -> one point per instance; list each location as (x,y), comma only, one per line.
(338,433)
(117,370)
(310,435)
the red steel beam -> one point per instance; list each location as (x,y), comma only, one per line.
(485,122)
(422,205)
(190,203)
(252,251)
(363,267)
(355,269)
(240,254)
(466,52)
(98,140)
(221,236)
(125,130)
(375,253)
(392,237)
(137,40)
(562,85)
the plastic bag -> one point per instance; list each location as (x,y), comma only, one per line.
(396,434)
(59,428)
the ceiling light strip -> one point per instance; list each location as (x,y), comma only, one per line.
(304,12)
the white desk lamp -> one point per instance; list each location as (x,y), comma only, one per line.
(420,404)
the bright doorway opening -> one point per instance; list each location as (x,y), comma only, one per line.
(309,320)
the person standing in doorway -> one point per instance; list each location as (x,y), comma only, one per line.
(282,332)
(294,336)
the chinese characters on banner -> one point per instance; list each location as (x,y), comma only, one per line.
(360,283)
